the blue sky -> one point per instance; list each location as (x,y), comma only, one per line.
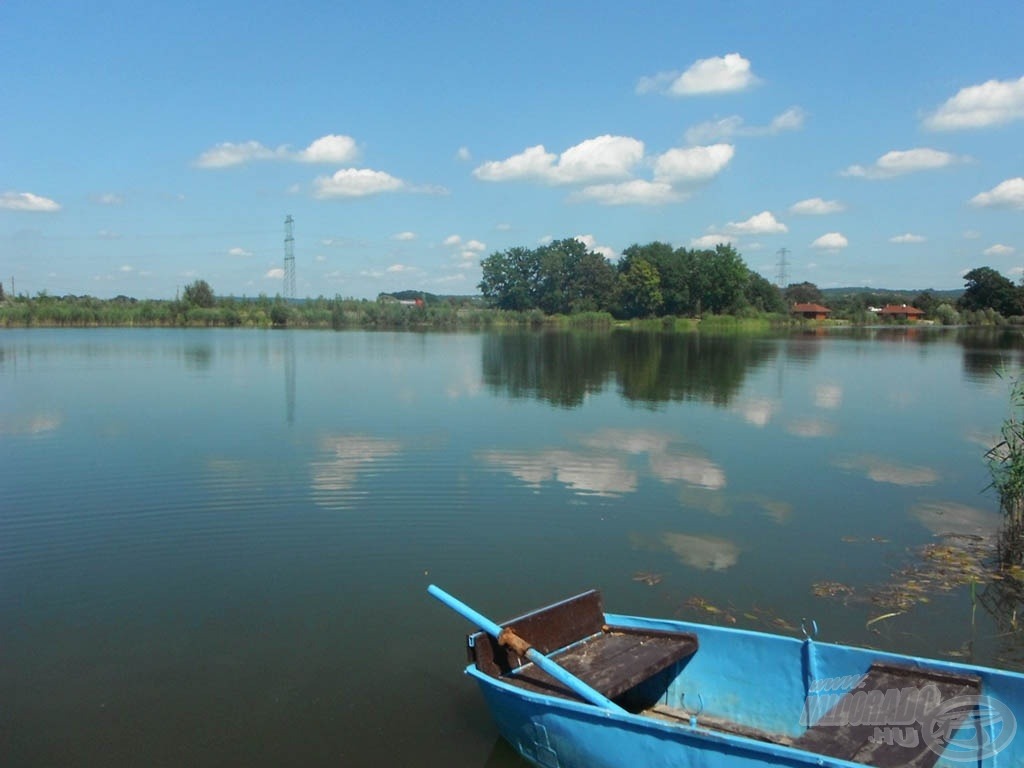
(145,145)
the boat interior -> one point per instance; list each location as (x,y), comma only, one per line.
(643,670)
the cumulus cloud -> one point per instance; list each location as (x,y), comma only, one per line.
(710,241)
(396,268)
(355,182)
(994,102)
(1007,194)
(26,201)
(899,162)
(277,273)
(726,128)
(718,74)
(815,206)
(763,223)
(635,192)
(831,241)
(907,238)
(693,164)
(463,154)
(453,240)
(476,246)
(999,250)
(404,236)
(591,243)
(236,251)
(228,154)
(603,157)
(333,148)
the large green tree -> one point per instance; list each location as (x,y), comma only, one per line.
(199,294)
(763,295)
(640,289)
(511,279)
(724,278)
(802,293)
(986,288)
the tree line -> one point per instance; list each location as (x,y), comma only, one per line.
(564,277)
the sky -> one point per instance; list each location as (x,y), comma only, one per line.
(147,145)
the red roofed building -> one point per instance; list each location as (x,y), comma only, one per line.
(901,312)
(810,311)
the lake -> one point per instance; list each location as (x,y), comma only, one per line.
(215,545)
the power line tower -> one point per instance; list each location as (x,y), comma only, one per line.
(289,258)
(781,276)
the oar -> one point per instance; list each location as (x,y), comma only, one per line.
(509,638)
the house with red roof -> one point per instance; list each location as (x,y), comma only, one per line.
(810,311)
(901,312)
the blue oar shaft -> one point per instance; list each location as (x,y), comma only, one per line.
(566,678)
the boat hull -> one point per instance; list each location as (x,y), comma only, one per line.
(736,672)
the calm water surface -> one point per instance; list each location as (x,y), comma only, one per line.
(215,545)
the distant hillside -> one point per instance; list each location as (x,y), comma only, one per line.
(891,295)
(433,298)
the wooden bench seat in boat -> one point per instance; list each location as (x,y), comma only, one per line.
(612,660)
(860,744)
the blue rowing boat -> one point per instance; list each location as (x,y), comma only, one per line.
(570,686)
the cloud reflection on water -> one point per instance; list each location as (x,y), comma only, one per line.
(34,424)
(943,517)
(347,457)
(705,553)
(601,464)
(882,471)
(585,474)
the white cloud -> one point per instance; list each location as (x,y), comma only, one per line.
(453,240)
(26,201)
(127,268)
(108,198)
(1006,194)
(333,148)
(907,238)
(355,182)
(972,234)
(995,102)
(106,234)
(603,157)
(228,154)
(710,241)
(693,164)
(999,250)
(503,227)
(463,154)
(404,236)
(832,241)
(763,223)
(236,251)
(591,244)
(719,74)
(635,192)
(899,162)
(726,128)
(476,246)
(815,206)
(395,268)
(277,273)
(533,163)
